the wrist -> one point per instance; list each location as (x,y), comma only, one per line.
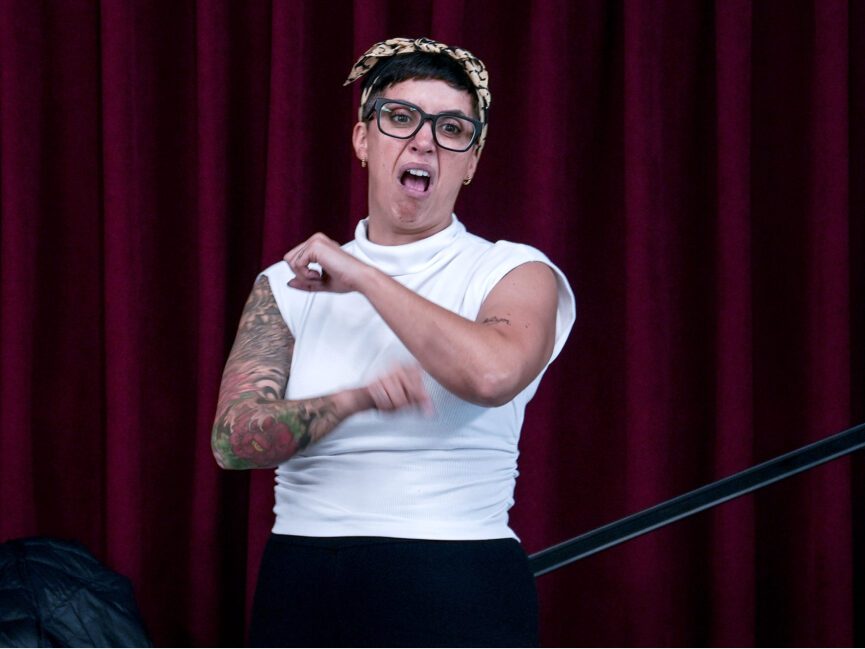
(367,279)
(350,402)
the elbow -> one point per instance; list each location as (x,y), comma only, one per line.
(231,462)
(223,452)
(221,461)
(495,386)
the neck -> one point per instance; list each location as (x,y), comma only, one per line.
(398,227)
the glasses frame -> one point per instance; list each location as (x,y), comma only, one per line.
(379,102)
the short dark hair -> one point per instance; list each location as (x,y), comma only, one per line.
(417,65)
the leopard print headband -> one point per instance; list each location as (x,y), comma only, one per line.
(473,66)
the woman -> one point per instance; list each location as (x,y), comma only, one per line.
(386,381)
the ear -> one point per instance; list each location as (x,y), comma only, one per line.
(359,141)
(473,162)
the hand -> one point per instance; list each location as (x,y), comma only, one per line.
(340,272)
(401,388)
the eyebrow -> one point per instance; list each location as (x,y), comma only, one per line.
(455,111)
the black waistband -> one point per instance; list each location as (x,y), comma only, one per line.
(335,542)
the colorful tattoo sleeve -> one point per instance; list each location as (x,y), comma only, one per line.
(255,427)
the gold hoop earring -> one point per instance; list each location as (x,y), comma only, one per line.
(363,162)
(467,181)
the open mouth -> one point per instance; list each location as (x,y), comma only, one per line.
(415,179)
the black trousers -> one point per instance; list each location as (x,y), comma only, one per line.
(372,591)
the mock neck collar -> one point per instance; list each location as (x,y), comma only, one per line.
(407,258)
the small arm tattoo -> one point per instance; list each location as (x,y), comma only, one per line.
(496,320)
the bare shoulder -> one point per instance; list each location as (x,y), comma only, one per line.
(522,309)
(261,309)
(261,301)
(530,286)
(263,339)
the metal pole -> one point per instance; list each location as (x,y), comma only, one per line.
(695,501)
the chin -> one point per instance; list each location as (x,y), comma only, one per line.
(410,213)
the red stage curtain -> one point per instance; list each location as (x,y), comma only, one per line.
(696,168)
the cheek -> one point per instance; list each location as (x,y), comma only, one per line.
(458,170)
(384,152)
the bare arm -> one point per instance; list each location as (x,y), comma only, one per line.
(254,426)
(487,361)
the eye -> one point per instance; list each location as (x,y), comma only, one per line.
(451,127)
(398,115)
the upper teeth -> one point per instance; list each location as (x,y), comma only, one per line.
(418,172)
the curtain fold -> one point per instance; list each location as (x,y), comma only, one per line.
(696,169)
(733,580)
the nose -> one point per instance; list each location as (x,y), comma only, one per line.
(423,140)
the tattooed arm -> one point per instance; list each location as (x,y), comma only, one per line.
(255,427)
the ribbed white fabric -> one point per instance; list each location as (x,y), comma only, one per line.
(444,476)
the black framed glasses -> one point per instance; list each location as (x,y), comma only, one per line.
(402,120)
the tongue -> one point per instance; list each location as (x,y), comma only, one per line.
(416,183)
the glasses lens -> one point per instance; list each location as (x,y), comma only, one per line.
(455,133)
(398,120)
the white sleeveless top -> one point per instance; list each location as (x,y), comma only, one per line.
(445,476)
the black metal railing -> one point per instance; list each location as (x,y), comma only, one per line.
(739,484)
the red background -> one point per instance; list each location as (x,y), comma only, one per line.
(695,168)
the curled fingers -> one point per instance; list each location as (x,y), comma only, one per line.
(400,388)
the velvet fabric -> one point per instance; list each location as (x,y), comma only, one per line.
(697,169)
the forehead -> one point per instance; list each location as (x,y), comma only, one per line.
(431,95)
